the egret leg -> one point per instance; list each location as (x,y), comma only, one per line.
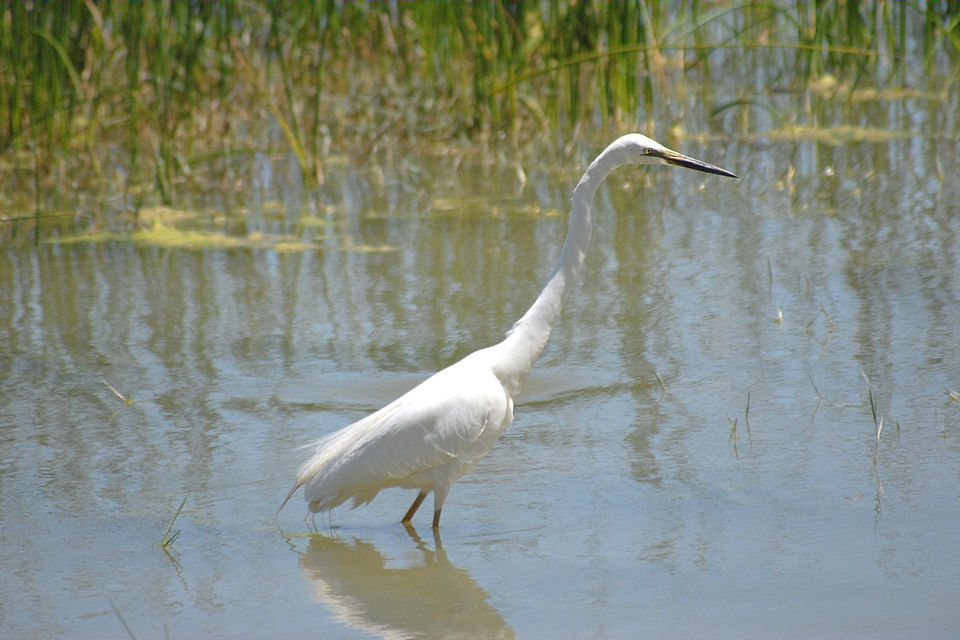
(413,508)
(439,497)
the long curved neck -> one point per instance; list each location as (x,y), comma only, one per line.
(516,355)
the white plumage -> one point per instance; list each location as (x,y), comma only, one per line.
(428,437)
(433,434)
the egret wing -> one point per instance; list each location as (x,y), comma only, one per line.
(454,416)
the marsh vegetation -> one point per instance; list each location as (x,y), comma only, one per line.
(110,108)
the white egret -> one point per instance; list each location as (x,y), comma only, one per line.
(433,434)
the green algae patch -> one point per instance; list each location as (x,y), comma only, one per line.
(184,229)
(837,135)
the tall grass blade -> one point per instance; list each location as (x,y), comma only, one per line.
(170,537)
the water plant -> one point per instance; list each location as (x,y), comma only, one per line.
(170,536)
(143,100)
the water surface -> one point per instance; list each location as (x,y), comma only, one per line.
(697,454)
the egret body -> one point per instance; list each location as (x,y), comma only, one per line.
(433,434)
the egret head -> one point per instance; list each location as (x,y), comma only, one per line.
(635,148)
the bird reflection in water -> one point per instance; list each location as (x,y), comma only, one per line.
(427,598)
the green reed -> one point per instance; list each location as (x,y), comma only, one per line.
(137,99)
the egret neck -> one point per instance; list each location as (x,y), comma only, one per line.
(514,357)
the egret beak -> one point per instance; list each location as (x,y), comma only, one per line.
(680,160)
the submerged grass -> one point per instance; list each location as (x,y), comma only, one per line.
(733,436)
(127,401)
(147,100)
(123,622)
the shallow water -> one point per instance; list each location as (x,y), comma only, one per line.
(695,455)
